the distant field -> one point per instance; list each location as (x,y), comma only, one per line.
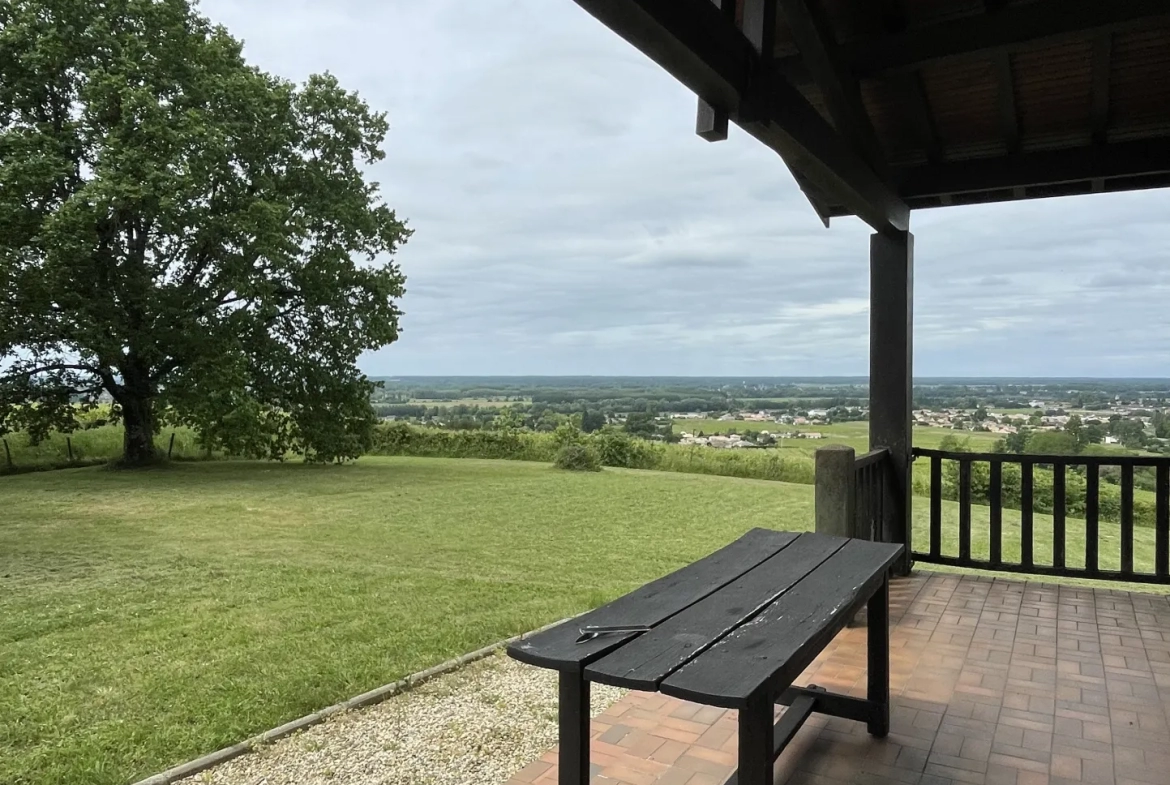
(855,434)
(465,402)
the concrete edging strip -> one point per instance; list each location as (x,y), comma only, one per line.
(376,695)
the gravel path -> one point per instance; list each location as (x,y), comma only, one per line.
(475,726)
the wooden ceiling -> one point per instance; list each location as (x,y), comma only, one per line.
(880,106)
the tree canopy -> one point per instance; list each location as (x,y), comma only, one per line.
(186,233)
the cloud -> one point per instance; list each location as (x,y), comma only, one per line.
(569,221)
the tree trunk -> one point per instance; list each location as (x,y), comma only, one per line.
(138,443)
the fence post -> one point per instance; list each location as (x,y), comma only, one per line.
(8,454)
(836,490)
(69,447)
(171,446)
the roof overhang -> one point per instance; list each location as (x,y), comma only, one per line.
(877,109)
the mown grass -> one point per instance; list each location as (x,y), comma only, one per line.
(150,617)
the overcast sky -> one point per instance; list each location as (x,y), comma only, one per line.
(568,221)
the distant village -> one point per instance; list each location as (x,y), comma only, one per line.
(764,438)
(1044,416)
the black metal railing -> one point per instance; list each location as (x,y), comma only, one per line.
(1078,515)
(871,488)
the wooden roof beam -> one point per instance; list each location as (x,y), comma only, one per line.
(918,105)
(842,94)
(695,43)
(1009,120)
(1102,55)
(1049,167)
(711,121)
(1007,28)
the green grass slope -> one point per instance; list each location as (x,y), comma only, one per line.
(147,618)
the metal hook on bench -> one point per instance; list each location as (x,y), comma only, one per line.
(591,631)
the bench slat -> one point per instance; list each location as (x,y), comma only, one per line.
(771,650)
(649,605)
(645,661)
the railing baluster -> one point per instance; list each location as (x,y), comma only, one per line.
(1092,489)
(1095,510)
(995,493)
(1058,503)
(862,523)
(1127,518)
(1026,555)
(935,506)
(875,476)
(964,511)
(1162,520)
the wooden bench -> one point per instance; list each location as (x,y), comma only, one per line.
(734,630)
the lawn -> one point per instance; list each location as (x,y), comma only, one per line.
(148,618)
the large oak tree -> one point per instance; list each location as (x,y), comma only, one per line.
(186,233)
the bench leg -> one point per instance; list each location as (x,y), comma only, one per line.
(878,616)
(756,749)
(573,727)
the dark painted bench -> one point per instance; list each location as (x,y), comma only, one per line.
(732,630)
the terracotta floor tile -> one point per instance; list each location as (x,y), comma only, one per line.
(994,682)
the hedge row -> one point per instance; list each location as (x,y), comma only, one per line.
(614,447)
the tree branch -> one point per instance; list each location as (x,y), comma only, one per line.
(28,374)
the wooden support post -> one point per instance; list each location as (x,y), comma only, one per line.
(69,447)
(8,454)
(891,352)
(836,491)
(573,722)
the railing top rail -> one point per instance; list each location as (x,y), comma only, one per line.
(870,458)
(1060,460)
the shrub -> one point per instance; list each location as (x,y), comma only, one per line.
(617,448)
(578,458)
(565,434)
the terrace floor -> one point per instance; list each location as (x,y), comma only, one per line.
(994,682)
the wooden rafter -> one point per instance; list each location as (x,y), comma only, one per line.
(910,84)
(1102,55)
(1049,167)
(1011,26)
(759,25)
(711,122)
(891,15)
(693,41)
(839,88)
(1009,119)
